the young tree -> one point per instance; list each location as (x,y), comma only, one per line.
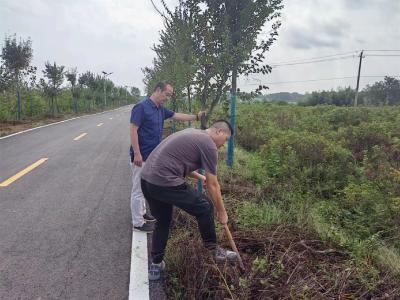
(16,57)
(224,40)
(52,88)
(135,92)
(87,84)
(5,79)
(174,58)
(72,78)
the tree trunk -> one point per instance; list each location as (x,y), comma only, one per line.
(52,106)
(57,108)
(18,98)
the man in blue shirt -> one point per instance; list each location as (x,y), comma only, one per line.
(146,129)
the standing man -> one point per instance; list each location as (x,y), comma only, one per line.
(164,186)
(146,129)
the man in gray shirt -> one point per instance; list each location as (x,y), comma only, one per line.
(163,185)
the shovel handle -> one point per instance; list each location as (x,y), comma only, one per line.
(233,245)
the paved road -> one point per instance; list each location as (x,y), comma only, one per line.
(65,228)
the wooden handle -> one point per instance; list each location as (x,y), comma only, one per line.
(233,245)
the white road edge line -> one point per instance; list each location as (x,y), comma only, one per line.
(139,280)
(30,129)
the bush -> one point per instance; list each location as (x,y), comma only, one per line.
(308,162)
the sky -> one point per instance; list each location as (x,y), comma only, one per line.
(117,36)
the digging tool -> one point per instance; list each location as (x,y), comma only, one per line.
(233,245)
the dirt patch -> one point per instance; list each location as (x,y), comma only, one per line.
(280,263)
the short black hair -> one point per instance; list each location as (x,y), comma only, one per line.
(223,124)
(162,85)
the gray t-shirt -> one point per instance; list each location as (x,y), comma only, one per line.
(180,154)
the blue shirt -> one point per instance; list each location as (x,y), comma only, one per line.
(150,119)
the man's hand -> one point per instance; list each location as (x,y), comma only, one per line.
(203,181)
(200,114)
(222,217)
(137,159)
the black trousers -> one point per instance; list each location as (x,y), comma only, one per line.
(161,201)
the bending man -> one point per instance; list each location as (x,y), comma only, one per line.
(164,186)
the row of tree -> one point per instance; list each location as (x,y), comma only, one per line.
(381,93)
(18,77)
(206,44)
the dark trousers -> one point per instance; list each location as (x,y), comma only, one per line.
(161,201)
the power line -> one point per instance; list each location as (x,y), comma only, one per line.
(337,56)
(382,55)
(314,61)
(384,50)
(323,79)
(316,58)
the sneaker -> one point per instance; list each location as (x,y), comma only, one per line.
(148,218)
(146,227)
(222,255)
(155,271)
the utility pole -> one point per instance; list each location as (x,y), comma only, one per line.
(358,77)
(104,87)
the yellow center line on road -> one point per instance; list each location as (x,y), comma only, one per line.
(98,125)
(23,172)
(80,136)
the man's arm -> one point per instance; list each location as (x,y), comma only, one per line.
(198,176)
(187,117)
(215,191)
(137,160)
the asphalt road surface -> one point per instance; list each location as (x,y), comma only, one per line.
(65,227)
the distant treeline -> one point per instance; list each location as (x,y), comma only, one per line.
(381,93)
(283,96)
(60,91)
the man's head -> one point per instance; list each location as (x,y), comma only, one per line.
(162,92)
(220,131)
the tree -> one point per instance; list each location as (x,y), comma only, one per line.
(87,79)
(224,40)
(72,78)
(174,58)
(16,57)
(52,88)
(340,97)
(135,92)
(5,79)
(386,92)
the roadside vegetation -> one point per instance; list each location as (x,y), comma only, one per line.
(314,202)
(59,93)
(314,193)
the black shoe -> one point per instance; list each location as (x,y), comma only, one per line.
(146,227)
(148,218)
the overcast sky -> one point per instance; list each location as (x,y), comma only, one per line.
(117,35)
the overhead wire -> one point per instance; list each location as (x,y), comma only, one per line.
(333,57)
(322,79)
(313,61)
